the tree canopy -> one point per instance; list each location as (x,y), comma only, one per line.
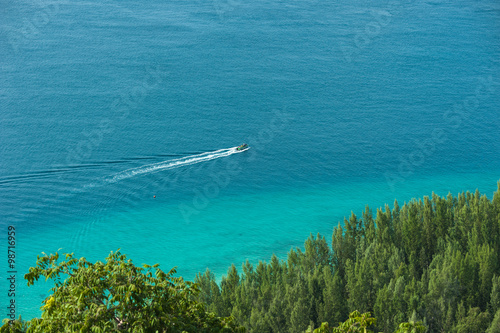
(116,296)
(434,261)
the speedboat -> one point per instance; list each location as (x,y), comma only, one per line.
(242,147)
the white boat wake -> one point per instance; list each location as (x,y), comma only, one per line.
(172,164)
(165,165)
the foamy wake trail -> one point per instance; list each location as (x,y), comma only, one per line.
(171,164)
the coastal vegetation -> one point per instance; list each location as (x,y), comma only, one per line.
(116,296)
(429,265)
(434,260)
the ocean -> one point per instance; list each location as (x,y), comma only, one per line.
(119,122)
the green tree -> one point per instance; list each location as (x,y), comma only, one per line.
(209,291)
(495,324)
(411,327)
(300,307)
(476,321)
(14,326)
(228,288)
(357,323)
(495,295)
(334,306)
(117,296)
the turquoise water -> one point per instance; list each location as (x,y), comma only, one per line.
(118,122)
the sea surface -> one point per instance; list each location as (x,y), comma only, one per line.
(119,122)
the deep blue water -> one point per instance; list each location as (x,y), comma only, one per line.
(343,104)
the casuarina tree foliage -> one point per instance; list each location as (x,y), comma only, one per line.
(434,260)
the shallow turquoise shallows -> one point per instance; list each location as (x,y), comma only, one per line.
(119,123)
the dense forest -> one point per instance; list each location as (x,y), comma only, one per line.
(434,260)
